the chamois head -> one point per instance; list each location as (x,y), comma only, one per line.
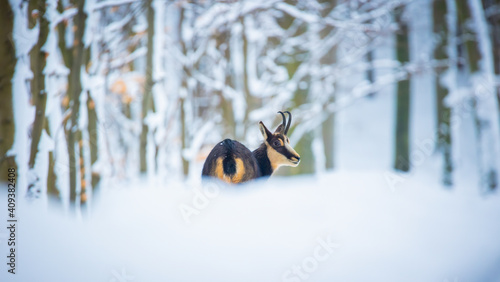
(278,146)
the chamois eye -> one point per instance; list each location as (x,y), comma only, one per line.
(277,143)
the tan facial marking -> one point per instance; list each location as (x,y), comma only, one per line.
(275,158)
(278,159)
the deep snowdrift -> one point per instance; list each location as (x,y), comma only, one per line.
(336,227)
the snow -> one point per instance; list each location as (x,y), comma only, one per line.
(262,231)
(296,13)
(24,40)
(189,154)
(40,171)
(111,3)
(487,102)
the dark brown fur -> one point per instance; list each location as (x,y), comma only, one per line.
(232,162)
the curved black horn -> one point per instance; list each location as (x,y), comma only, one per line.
(284,119)
(289,122)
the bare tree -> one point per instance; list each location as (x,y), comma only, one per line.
(73,54)
(486,101)
(402,146)
(8,63)
(147,100)
(443,110)
(328,126)
(38,93)
(492,13)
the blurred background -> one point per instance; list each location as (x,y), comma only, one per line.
(396,116)
(95,91)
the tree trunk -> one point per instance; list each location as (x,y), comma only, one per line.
(251,101)
(486,101)
(184,93)
(52,191)
(304,146)
(38,94)
(328,134)
(370,73)
(494,25)
(227,105)
(8,63)
(470,45)
(92,128)
(328,126)
(147,100)
(443,111)
(488,173)
(74,91)
(402,147)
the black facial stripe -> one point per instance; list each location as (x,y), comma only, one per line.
(285,152)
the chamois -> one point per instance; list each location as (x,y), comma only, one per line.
(232,162)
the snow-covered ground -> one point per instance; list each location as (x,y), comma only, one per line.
(342,226)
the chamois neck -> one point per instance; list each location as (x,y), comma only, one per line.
(260,155)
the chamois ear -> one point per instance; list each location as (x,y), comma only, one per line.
(279,129)
(263,129)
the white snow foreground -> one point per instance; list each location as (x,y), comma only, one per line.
(343,226)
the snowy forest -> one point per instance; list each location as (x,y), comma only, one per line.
(95,91)
(110,108)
